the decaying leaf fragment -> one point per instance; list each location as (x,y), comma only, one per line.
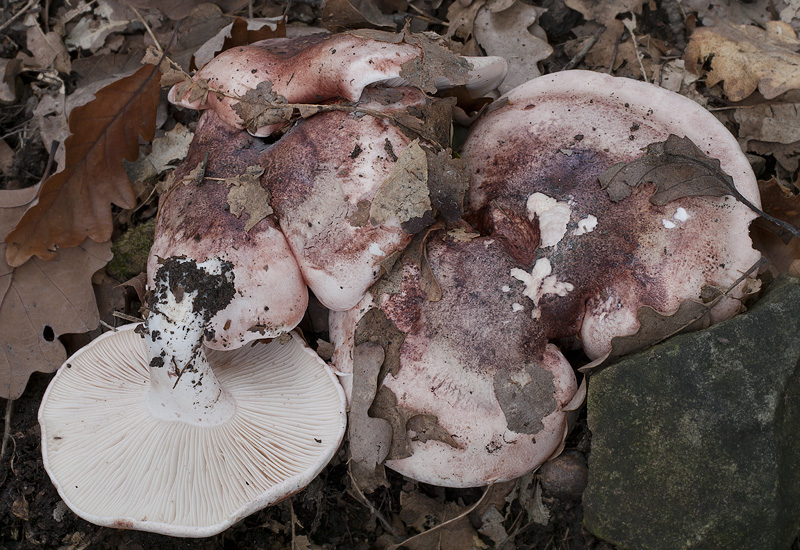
(370,438)
(262,107)
(76,203)
(404,192)
(745,58)
(31,293)
(676,166)
(247,193)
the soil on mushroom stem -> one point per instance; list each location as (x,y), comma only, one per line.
(326,512)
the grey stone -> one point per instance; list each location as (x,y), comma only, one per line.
(696,442)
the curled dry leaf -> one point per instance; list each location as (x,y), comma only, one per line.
(29,294)
(76,203)
(746,58)
(9,88)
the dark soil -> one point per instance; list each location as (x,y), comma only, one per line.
(328,512)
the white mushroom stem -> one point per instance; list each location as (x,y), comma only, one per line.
(182,384)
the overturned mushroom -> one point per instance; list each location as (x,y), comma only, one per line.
(472,389)
(539,156)
(319,67)
(188,453)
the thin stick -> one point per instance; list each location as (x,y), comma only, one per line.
(16,16)
(291,510)
(148,29)
(630,24)
(464,514)
(127,317)
(375,512)
(572,63)
(6,428)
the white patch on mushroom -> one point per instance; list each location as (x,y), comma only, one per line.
(505,288)
(585,225)
(679,217)
(539,282)
(515,307)
(375,250)
(553,217)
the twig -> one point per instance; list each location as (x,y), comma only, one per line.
(630,24)
(6,429)
(375,512)
(127,317)
(148,29)
(294,520)
(465,513)
(614,55)
(16,16)
(578,57)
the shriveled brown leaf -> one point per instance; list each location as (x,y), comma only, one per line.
(246,194)
(404,193)
(262,107)
(76,203)
(239,33)
(676,166)
(341,15)
(448,182)
(370,438)
(39,301)
(740,13)
(746,58)
(166,150)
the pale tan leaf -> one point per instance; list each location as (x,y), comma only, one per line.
(404,193)
(41,300)
(746,58)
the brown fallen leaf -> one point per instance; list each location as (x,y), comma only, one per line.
(47,49)
(370,438)
(76,203)
(39,301)
(508,34)
(773,122)
(676,166)
(247,194)
(239,33)
(341,15)
(746,58)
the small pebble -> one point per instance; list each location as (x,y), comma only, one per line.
(565,476)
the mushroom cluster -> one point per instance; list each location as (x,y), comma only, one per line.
(561,248)
(212,408)
(558,242)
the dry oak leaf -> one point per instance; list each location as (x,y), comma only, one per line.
(76,203)
(745,58)
(41,300)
